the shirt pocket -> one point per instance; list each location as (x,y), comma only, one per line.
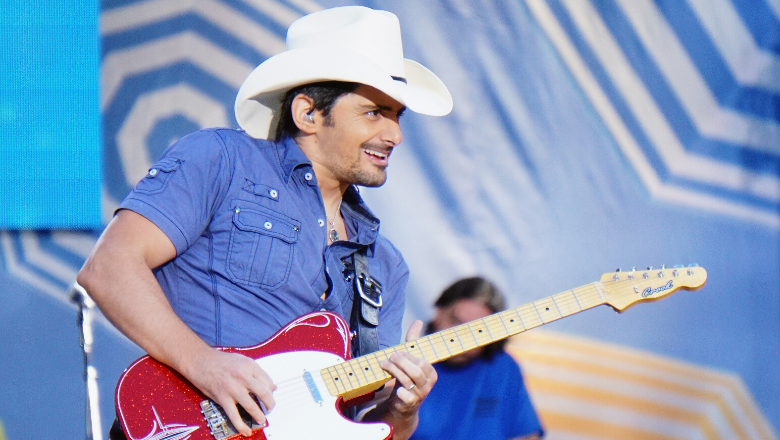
(262,242)
(158,175)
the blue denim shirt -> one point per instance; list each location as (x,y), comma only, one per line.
(247,219)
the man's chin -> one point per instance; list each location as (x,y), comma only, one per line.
(373,180)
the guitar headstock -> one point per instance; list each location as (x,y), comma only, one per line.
(624,289)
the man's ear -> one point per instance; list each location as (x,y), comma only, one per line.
(303,114)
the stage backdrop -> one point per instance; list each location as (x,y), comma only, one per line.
(587,135)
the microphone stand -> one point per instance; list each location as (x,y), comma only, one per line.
(86,307)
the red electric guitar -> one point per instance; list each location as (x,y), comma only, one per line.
(309,362)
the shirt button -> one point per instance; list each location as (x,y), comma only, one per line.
(308,176)
(153,172)
(321,222)
(273,193)
(268,225)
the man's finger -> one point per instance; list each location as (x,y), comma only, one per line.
(414,331)
(235,418)
(251,406)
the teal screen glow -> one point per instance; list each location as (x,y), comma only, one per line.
(50,154)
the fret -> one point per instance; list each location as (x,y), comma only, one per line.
(433,347)
(565,305)
(366,366)
(333,386)
(601,296)
(416,345)
(576,299)
(476,341)
(451,339)
(501,319)
(473,325)
(522,323)
(346,375)
(487,327)
(444,341)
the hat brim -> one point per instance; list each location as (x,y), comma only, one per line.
(259,98)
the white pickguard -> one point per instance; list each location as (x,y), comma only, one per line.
(297,416)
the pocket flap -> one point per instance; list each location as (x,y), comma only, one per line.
(256,218)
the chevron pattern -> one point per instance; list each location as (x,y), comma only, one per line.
(643,70)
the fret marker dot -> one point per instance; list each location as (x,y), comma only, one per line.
(366,368)
(547,309)
(511,320)
(480,331)
(350,374)
(452,340)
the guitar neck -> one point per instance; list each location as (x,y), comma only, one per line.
(364,374)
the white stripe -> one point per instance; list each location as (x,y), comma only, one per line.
(34,255)
(701,406)
(750,65)
(307,6)
(615,415)
(18,271)
(222,16)
(79,243)
(650,117)
(774,5)
(622,136)
(278,12)
(109,204)
(148,110)
(179,47)
(680,72)
(727,385)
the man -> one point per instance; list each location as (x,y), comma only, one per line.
(230,236)
(479,393)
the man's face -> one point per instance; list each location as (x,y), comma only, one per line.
(460,312)
(358,137)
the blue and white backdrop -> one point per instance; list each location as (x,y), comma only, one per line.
(587,135)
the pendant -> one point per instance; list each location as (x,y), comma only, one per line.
(333,235)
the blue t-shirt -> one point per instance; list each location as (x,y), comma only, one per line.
(247,219)
(484,400)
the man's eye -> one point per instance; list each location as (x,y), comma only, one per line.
(373,113)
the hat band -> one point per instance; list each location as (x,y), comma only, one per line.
(399,78)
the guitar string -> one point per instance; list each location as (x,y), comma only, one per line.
(565,304)
(562,304)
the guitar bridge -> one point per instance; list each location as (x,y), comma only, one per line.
(218,422)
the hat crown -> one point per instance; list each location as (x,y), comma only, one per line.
(373,34)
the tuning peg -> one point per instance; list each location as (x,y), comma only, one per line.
(649,267)
(617,270)
(663,267)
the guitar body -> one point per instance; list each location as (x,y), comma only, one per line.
(154,402)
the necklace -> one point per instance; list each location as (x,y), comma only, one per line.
(333,235)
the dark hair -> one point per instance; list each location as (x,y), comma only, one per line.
(324,94)
(482,291)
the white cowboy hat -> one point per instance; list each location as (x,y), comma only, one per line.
(351,44)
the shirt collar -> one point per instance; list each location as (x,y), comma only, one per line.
(360,221)
(290,156)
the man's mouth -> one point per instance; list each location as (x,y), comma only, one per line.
(377,155)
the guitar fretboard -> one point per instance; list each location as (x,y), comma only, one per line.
(363,374)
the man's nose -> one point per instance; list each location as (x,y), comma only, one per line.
(392,133)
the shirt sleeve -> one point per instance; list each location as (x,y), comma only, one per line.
(182,189)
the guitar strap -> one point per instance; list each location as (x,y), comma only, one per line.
(365,307)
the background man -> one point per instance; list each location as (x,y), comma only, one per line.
(479,393)
(230,236)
